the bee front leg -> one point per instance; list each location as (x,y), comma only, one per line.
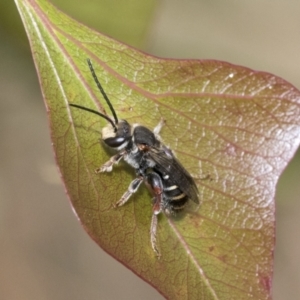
(133,187)
(108,166)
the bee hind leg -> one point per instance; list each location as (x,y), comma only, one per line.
(153,230)
(156,186)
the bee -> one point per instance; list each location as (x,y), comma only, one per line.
(154,163)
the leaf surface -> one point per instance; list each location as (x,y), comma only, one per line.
(235,127)
(124,20)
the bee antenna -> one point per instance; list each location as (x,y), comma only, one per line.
(97,113)
(102,92)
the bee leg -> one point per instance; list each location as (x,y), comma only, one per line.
(156,186)
(153,230)
(107,167)
(133,187)
(158,128)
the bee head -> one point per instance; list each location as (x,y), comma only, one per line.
(117,138)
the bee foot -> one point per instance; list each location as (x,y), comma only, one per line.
(104,168)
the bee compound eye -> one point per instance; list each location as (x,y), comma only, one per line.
(115,142)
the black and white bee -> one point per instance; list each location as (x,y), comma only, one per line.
(154,163)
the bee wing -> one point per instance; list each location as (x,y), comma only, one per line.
(167,164)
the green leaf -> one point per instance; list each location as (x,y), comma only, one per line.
(236,126)
(125,20)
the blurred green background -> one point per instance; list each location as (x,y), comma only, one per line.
(45,253)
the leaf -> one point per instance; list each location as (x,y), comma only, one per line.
(236,126)
(125,20)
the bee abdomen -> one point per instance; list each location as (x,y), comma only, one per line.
(176,199)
